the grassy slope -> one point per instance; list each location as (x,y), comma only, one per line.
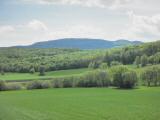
(81,104)
(26,76)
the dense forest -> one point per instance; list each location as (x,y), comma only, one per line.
(25,60)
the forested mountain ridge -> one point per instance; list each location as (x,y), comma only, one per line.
(82,43)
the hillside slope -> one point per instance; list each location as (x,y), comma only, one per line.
(82,43)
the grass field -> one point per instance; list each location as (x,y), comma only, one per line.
(81,104)
(27,76)
(52,74)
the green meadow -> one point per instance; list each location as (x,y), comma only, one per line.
(52,74)
(81,104)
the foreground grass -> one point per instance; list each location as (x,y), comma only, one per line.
(81,104)
(28,76)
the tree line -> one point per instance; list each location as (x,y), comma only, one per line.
(119,76)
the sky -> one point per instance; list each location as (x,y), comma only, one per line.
(24,22)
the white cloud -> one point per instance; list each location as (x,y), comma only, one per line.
(138,6)
(89,3)
(27,33)
(6,28)
(143,27)
(78,31)
(36,30)
(37,25)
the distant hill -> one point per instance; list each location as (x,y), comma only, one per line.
(82,43)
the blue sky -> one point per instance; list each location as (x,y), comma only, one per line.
(24,22)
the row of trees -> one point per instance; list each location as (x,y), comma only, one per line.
(119,76)
(148,53)
(151,76)
(32,70)
(141,61)
(123,76)
(144,60)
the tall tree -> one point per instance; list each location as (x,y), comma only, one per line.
(137,61)
(151,75)
(144,60)
(42,71)
(107,58)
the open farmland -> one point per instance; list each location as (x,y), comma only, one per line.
(81,104)
(48,75)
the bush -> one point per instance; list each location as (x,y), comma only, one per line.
(13,86)
(103,66)
(38,85)
(42,71)
(98,78)
(32,71)
(2,72)
(57,83)
(151,75)
(87,81)
(117,72)
(2,85)
(68,82)
(103,78)
(115,63)
(124,78)
(129,79)
(94,64)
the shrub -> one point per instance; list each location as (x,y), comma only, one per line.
(74,80)
(9,86)
(103,66)
(151,75)
(13,86)
(115,63)
(123,78)
(67,82)
(98,78)
(32,71)
(2,69)
(38,85)
(42,71)
(117,72)
(45,84)
(2,72)
(2,85)
(64,82)
(129,79)
(94,64)
(103,78)
(57,83)
(89,80)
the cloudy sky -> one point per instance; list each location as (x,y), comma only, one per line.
(24,22)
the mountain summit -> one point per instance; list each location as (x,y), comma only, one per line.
(82,43)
